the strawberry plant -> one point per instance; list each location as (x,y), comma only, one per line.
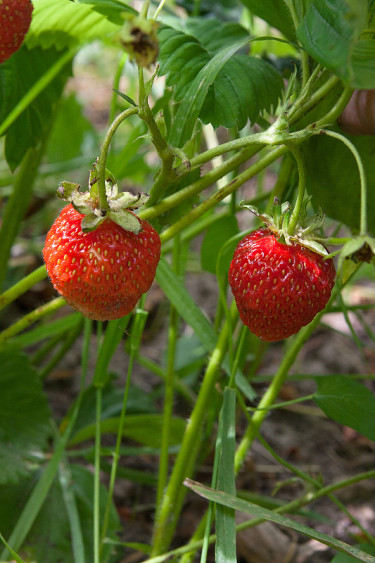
(186,340)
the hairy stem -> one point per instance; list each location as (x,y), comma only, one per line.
(301,190)
(104,153)
(31,318)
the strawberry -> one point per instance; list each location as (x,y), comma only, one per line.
(15,18)
(278,288)
(104,272)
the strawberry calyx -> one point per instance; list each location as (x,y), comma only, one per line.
(120,204)
(305,232)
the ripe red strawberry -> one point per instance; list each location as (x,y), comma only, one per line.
(15,18)
(102,273)
(278,288)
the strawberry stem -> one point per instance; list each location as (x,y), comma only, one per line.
(104,154)
(301,190)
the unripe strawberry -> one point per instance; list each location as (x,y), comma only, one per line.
(278,288)
(101,273)
(15,19)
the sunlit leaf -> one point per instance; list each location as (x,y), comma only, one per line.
(217,85)
(330,32)
(275,13)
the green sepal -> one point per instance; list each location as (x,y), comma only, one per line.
(91,221)
(69,192)
(66,190)
(127,200)
(126,220)
(88,203)
(315,246)
(304,233)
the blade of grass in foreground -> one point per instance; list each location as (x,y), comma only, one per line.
(235,503)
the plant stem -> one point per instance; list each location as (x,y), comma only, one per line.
(136,334)
(22,286)
(158,9)
(362,177)
(96,519)
(31,318)
(183,467)
(282,181)
(218,196)
(104,153)
(198,186)
(302,106)
(336,110)
(301,190)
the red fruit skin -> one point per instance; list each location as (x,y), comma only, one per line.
(102,274)
(15,19)
(278,288)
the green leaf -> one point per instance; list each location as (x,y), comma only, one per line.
(348,402)
(225,546)
(113,10)
(334,182)
(16,557)
(18,75)
(217,234)
(244,506)
(363,62)
(143,428)
(24,416)
(62,23)
(48,330)
(329,33)
(218,86)
(275,13)
(112,400)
